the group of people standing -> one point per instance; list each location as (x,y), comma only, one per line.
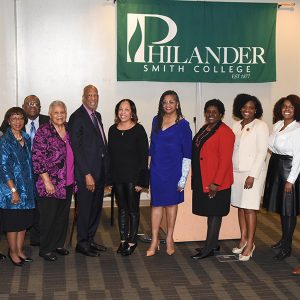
(45,167)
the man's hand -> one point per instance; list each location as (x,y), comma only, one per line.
(90,182)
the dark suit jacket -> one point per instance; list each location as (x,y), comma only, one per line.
(43,119)
(89,152)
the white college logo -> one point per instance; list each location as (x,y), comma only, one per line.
(135,20)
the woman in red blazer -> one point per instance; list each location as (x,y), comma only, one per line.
(212,173)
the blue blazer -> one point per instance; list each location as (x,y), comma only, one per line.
(15,164)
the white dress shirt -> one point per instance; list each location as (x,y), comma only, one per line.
(36,124)
(287,142)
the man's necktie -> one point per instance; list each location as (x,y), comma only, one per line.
(32,132)
(96,124)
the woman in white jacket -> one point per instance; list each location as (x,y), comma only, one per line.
(249,168)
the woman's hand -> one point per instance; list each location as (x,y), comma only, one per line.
(138,188)
(213,188)
(288,187)
(50,189)
(249,182)
(15,198)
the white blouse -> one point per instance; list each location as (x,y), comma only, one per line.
(287,142)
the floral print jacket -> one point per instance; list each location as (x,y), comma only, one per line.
(49,154)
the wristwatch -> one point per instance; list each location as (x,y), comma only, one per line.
(13,190)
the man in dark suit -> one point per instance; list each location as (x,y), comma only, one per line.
(90,151)
(32,108)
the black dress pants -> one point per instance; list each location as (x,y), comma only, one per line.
(54,219)
(35,228)
(89,211)
(128,201)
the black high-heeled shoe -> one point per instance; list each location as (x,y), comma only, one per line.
(2,257)
(201,255)
(26,259)
(217,249)
(129,250)
(122,247)
(17,264)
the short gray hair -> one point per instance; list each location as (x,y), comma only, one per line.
(56,103)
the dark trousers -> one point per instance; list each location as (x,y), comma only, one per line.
(35,228)
(89,211)
(54,219)
(212,236)
(128,201)
(288,225)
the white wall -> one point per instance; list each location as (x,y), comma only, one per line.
(7,57)
(64,45)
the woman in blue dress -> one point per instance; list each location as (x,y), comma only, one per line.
(170,157)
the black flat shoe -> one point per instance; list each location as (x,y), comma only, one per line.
(49,256)
(97,247)
(129,250)
(26,259)
(201,255)
(62,251)
(215,249)
(2,257)
(122,247)
(283,253)
(87,252)
(17,264)
(278,245)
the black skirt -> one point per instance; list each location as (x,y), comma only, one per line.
(202,204)
(275,199)
(15,220)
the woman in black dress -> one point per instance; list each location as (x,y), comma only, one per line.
(128,149)
(212,173)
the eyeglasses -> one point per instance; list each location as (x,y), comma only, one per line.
(32,104)
(16,119)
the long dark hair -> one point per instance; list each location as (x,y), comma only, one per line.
(134,116)
(161,113)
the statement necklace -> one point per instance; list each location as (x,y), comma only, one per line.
(19,139)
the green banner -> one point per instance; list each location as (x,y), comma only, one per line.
(196,41)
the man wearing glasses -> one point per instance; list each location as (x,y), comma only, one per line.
(32,108)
